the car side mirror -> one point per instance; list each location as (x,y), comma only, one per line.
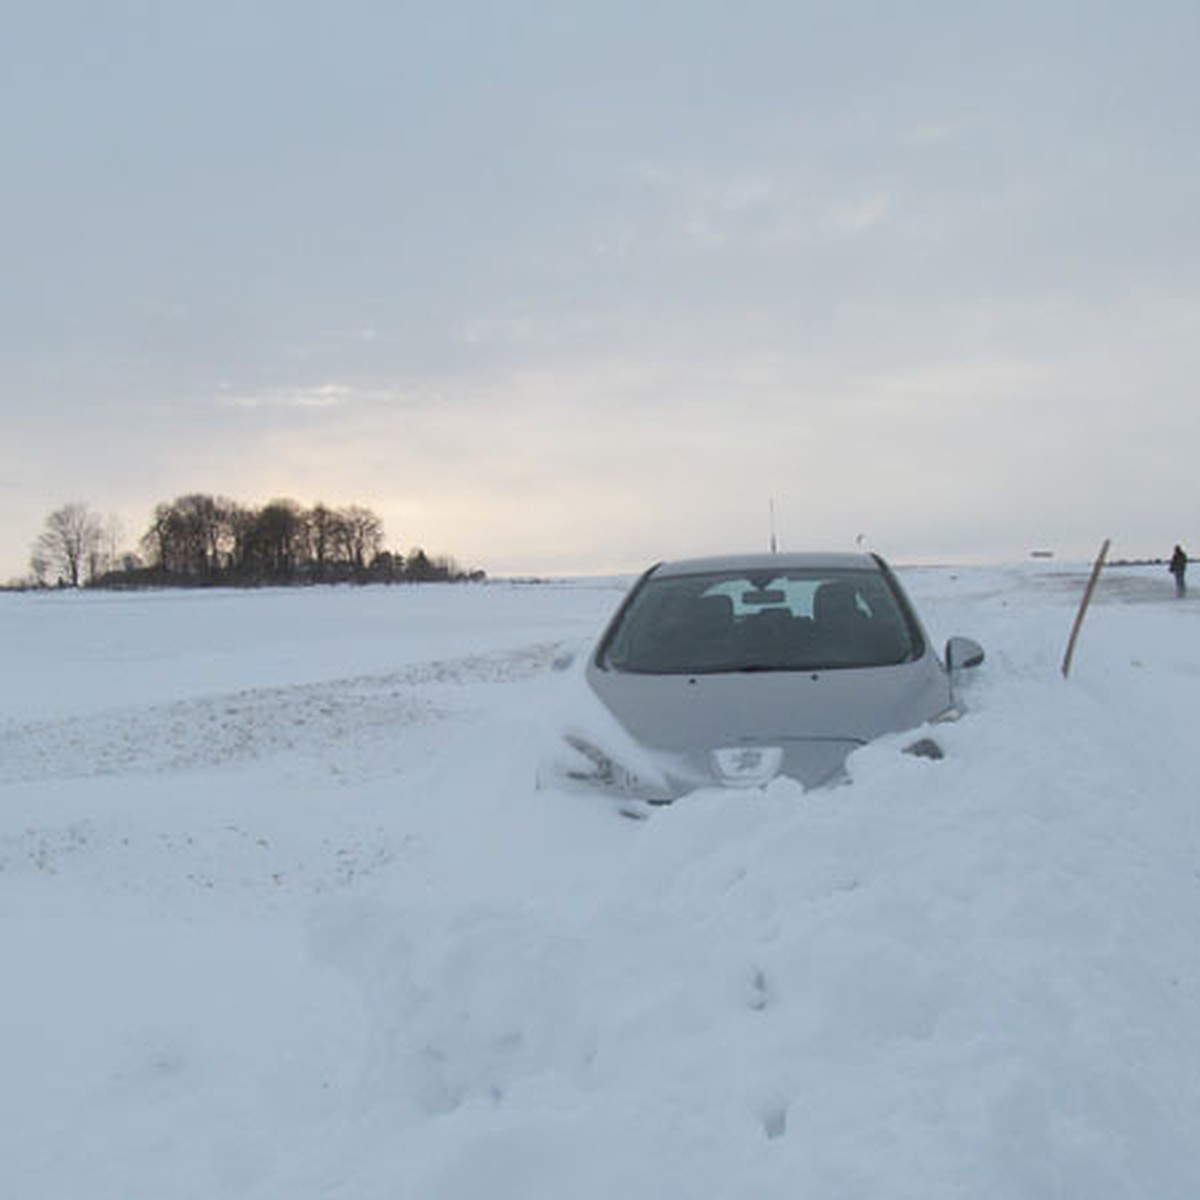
(962,653)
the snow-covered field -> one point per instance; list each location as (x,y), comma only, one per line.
(283,915)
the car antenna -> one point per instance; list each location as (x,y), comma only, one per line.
(774,542)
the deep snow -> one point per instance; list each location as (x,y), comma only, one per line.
(283,914)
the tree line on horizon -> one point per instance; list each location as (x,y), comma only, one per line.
(201,540)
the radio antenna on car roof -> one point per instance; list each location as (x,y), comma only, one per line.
(774,542)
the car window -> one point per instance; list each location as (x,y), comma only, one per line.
(764,621)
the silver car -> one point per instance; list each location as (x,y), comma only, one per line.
(729,671)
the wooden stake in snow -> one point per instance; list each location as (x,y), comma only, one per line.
(1083,606)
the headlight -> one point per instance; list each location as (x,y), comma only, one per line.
(599,769)
(603,769)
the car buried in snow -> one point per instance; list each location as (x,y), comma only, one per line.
(730,671)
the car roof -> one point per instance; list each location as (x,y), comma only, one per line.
(759,562)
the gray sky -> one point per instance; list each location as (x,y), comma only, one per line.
(566,287)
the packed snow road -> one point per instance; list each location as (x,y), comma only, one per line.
(283,913)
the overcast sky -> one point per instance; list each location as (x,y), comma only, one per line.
(576,286)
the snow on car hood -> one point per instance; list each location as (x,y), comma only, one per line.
(690,714)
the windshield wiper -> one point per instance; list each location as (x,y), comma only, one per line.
(752,668)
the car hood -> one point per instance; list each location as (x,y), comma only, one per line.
(815,718)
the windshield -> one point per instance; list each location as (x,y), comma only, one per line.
(794,620)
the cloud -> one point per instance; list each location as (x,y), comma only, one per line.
(524,330)
(859,216)
(608,462)
(733,209)
(795,208)
(707,206)
(325,395)
(933,133)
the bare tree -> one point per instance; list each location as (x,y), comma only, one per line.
(360,534)
(71,541)
(102,557)
(322,537)
(207,532)
(274,541)
(157,540)
(39,567)
(419,568)
(202,539)
(194,537)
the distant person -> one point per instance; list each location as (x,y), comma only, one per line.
(1179,561)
